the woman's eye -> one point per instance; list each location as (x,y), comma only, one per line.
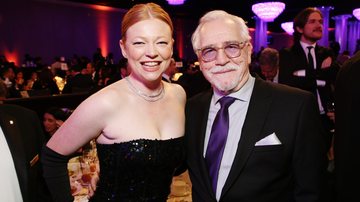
(138,43)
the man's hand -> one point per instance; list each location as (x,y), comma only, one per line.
(326,63)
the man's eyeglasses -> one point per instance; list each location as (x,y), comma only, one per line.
(231,49)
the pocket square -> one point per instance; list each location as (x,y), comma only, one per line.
(271,139)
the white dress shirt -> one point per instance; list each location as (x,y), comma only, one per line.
(166,77)
(9,186)
(237,114)
(312,52)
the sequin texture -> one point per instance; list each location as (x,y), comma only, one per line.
(138,170)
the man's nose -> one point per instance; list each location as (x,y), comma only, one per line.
(221,57)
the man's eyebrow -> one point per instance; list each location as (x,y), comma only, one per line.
(224,43)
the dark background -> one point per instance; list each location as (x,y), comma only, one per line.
(193,9)
(49,28)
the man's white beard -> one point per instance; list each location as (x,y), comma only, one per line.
(219,84)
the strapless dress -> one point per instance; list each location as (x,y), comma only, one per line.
(138,170)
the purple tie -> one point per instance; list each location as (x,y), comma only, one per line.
(218,135)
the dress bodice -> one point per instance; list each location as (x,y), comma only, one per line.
(138,170)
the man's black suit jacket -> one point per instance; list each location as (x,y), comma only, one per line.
(293,59)
(78,83)
(292,171)
(24,135)
(347,137)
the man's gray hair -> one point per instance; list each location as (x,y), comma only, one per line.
(215,15)
(269,56)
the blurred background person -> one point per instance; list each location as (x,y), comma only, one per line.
(3,91)
(30,82)
(8,77)
(309,66)
(53,118)
(46,82)
(269,64)
(124,68)
(103,76)
(117,72)
(19,80)
(91,70)
(343,57)
(192,80)
(170,71)
(78,82)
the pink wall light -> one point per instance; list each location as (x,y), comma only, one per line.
(356,13)
(288,27)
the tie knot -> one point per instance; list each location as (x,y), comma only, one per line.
(226,101)
(309,48)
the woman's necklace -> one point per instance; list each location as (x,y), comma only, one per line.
(149,98)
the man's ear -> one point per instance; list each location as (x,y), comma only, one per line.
(122,47)
(300,30)
(249,51)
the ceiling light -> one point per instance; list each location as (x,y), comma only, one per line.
(176,2)
(268,11)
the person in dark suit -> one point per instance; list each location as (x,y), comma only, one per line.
(347,99)
(78,82)
(118,72)
(45,84)
(193,81)
(308,66)
(273,150)
(269,64)
(169,72)
(22,138)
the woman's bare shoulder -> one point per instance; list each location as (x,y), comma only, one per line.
(176,90)
(107,98)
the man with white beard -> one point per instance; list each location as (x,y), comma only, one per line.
(247,139)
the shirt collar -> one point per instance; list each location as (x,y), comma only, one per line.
(167,77)
(243,94)
(305,45)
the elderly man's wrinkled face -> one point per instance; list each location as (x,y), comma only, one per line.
(223,55)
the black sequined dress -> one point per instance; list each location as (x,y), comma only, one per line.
(138,170)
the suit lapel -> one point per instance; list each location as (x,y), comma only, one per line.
(10,127)
(257,112)
(198,123)
(204,119)
(319,56)
(299,51)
